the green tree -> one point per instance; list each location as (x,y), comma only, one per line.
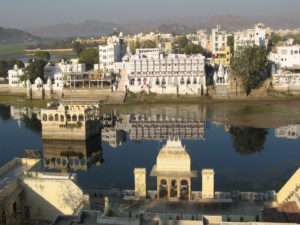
(252,65)
(34,70)
(12,62)
(134,46)
(42,55)
(77,47)
(89,56)
(248,140)
(3,68)
(180,44)
(193,49)
(230,43)
(148,44)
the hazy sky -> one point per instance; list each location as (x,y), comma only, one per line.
(33,13)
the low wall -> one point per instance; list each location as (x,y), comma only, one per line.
(117,221)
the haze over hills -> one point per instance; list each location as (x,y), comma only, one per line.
(15,36)
(178,25)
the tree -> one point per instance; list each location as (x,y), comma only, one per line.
(134,46)
(77,47)
(3,68)
(42,55)
(252,65)
(148,44)
(179,45)
(89,56)
(34,70)
(248,140)
(12,62)
(193,49)
(230,43)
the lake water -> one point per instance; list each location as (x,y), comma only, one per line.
(245,158)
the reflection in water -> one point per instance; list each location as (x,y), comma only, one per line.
(4,112)
(248,140)
(72,154)
(289,132)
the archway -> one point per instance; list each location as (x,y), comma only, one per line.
(173,188)
(163,189)
(184,190)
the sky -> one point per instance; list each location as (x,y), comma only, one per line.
(36,13)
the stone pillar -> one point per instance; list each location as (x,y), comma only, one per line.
(157,186)
(169,188)
(190,188)
(178,188)
(140,182)
(208,190)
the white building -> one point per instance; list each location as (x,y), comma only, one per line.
(204,39)
(111,53)
(221,77)
(250,37)
(286,56)
(14,77)
(290,132)
(148,53)
(56,72)
(174,74)
(218,41)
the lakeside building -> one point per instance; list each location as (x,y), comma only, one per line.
(173,74)
(110,53)
(56,73)
(218,46)
(28,195)
(14,77)
(250,37)
(286,56)
(221,82)
(71,120)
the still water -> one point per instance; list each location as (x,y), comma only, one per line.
(244,158)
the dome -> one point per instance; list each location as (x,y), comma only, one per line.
(38,81)
(173,157)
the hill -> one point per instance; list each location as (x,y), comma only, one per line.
(15,36)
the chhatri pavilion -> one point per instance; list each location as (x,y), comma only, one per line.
(173,171)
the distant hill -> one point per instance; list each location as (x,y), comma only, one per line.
(178,25)
(15,36)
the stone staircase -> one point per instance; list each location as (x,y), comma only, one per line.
(121,82)
(221,91)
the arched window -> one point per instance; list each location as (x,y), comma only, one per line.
(188,81)
(157,81)
(195,81)
(145,81)
(44,117)
(163,81)
(182,81)
(62,118)
(74,118)
(56,117)
(81,118)
(68,117)
(139,81)
(132,81)
(50,117)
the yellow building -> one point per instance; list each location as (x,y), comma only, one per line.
(173,171)
(71,120)
(223,56)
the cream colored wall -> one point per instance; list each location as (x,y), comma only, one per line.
(47,198)
(289,187)
(208,190)
(140,182)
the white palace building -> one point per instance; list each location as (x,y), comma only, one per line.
(172,74)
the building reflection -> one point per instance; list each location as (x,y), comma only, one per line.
(66,155)
(290,132)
